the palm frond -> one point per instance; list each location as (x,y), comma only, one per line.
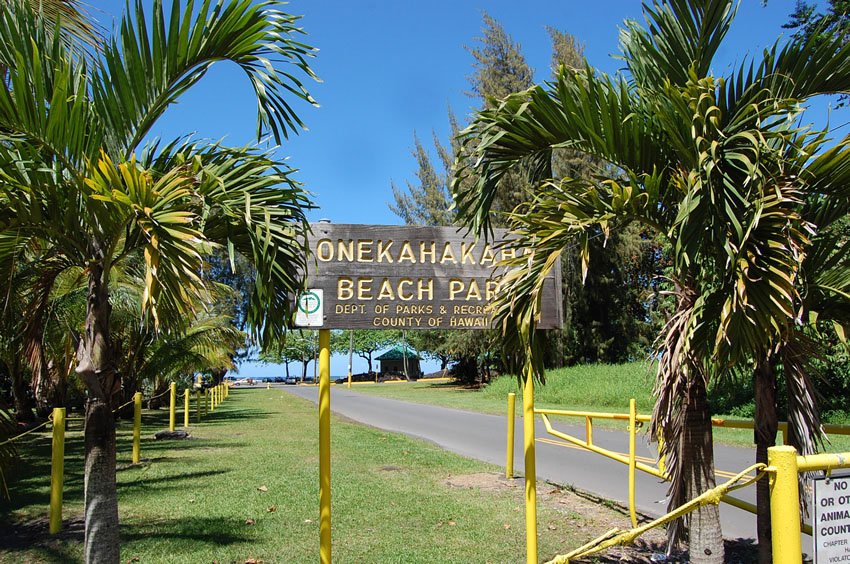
(155,60)
(680,37)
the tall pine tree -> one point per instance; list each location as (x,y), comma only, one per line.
(605,316)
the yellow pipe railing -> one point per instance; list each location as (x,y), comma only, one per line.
(616,537)
(660,471)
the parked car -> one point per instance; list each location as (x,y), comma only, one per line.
(290,380)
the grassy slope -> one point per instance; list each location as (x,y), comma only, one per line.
(190,501)
(581,388)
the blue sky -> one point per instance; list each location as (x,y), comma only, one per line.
(390,68)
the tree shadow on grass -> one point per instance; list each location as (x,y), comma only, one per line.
(33,536)
(172,481)
(216,531)
(222,415)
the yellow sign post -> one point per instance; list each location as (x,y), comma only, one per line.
(325,445)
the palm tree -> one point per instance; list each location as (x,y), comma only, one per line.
(715,166)
(78,177)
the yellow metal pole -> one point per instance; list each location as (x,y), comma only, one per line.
(325,446)
(198,405)
(186,401)
(206,402)
(172,409)
(530,468)
(588,430)
(784,505)
(350,354)
(632,432)
(212,399)
(137,427)
(662,466)
(509,462)
(57,470)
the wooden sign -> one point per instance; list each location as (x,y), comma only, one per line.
(391,277)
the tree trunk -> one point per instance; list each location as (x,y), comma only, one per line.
(102,544)
(218,375)
(20,393)
(96,368)
(287,369)
(766,425)
(304,370)
(704,533)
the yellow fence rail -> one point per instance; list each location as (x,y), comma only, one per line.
(784,510)
(616,537)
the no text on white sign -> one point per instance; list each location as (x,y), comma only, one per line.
(310,309)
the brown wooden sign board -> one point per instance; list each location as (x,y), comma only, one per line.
(392,277)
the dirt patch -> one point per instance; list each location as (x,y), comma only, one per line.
(485,481)
(585,511)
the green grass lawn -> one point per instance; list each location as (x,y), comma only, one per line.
(246,487)
(598,387)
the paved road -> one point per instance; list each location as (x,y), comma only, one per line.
(483,437)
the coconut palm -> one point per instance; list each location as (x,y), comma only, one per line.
(79,176)
(715,166)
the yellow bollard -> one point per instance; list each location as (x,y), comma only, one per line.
(212,399)
(530,467)
(198,405)
(172,407)
(206,402)
(632,432)
(785,505)
(186,401)
(57,470)
(137,427)
(324,446)
(588,430)
(509,461)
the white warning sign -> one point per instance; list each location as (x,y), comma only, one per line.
(831,521)
(310,309)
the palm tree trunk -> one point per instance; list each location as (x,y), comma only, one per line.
(20,395)
(704,533)
(102,544)
(766,425)
(97,370)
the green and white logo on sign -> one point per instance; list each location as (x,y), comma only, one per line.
(310,312)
